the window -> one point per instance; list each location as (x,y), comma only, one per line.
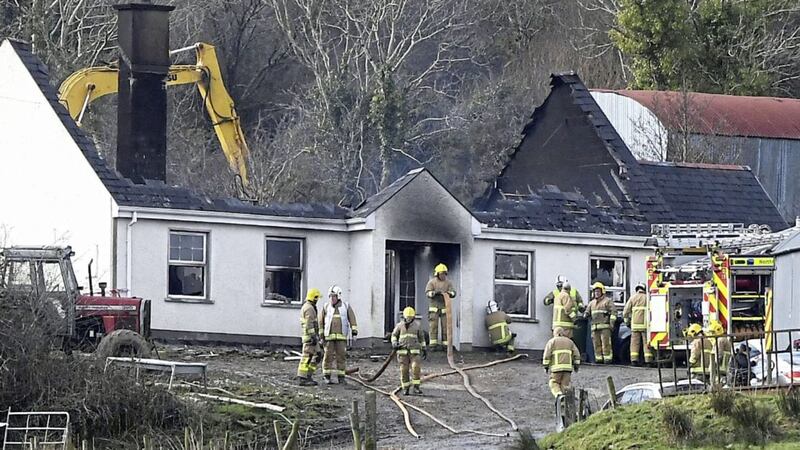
(612,272)
(187,264)
(513,283)
(283,273)
(631,397)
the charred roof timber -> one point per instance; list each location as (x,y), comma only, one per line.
(142,108)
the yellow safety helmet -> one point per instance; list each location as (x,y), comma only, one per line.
(716,328)
(599,285)
(409,313)
(692,330)
(313,295)
(441,268)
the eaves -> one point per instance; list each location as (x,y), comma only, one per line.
(563,237)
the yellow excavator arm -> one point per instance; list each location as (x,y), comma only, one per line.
(86,85)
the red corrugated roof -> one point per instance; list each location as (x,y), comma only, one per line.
(728,115)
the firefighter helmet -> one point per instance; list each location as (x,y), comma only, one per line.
(492,307)
(558,331)
(641,287)
(335,290)
(692,330)
(599,285)
(440,268)
(313,295)
(716,328)
(409,313)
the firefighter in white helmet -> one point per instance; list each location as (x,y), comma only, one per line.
(603,313)
(565,310)
(437,314)
(635,315)
(561,358)
(573,293)
(337,321)
(497,324)
(408,339)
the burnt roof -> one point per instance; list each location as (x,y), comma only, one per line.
(705,193)
(655,193)
(155,194)
(727,115)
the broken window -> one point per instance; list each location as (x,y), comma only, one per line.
(283,274)
(513,283)
(187,264)
(612,272)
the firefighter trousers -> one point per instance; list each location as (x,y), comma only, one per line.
(333,363)
(559,381)
(409,365)
(308,363)
(437,314)
(601,339)
(639,343)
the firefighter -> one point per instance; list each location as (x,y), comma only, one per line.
(437,314)
(337,321)
(701,354)
(408,339)
(635,315)
(497,323)
(564,310)
(603,313)
(561,358)
(723,351)
(308,321)
(576,296)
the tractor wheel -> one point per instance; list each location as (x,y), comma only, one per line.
(123,343)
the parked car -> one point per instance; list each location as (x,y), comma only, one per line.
(784,367)
(642,392)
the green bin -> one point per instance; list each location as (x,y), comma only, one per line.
(580,335)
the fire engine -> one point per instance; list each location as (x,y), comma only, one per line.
(706,272)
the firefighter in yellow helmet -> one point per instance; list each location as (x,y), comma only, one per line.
(308,322)
(408,339)
(565,310)
(603,313)
(635,315)
(701,355)
(561,358)
(723,351)
(497,324)
(437,314)
(337,321)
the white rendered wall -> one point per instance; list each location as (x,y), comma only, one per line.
(49,194)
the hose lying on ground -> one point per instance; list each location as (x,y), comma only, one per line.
(375,376)
(448,308)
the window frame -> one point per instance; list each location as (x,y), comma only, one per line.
(301,270)
(610,289)
(529,282)
(204,264)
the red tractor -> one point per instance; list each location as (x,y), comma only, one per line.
(108,325)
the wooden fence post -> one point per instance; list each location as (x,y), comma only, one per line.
(371,411)
(612,392)
(355,425)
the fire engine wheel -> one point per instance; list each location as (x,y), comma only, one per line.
(123,343)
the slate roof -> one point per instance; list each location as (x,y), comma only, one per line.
(155,194)
(371,204)
(704,193)
(656,193)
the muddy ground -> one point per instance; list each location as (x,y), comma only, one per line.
(518,389)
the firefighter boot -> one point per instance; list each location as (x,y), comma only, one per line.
(342,379)
(405,390)
(307,381)
(328,379)
(417,390)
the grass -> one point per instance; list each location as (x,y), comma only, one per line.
(642,426)
(678,422)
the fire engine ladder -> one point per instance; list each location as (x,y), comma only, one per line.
(725,235)
(758,240)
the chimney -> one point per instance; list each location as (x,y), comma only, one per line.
(142,101)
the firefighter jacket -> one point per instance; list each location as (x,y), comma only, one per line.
(603,313)
(564,311)
(635,312)
(337,326)
(561,355)
(436,287)
(723,351)
(308,321)
(701,356)
(576,297)
(411,337)
(497,324)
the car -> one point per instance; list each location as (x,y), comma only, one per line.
(784,367)
(641,392)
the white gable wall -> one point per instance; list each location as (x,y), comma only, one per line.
(553,254)
(49,194)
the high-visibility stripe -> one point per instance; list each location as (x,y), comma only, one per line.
(497,325)
(433,309)
(656,339)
